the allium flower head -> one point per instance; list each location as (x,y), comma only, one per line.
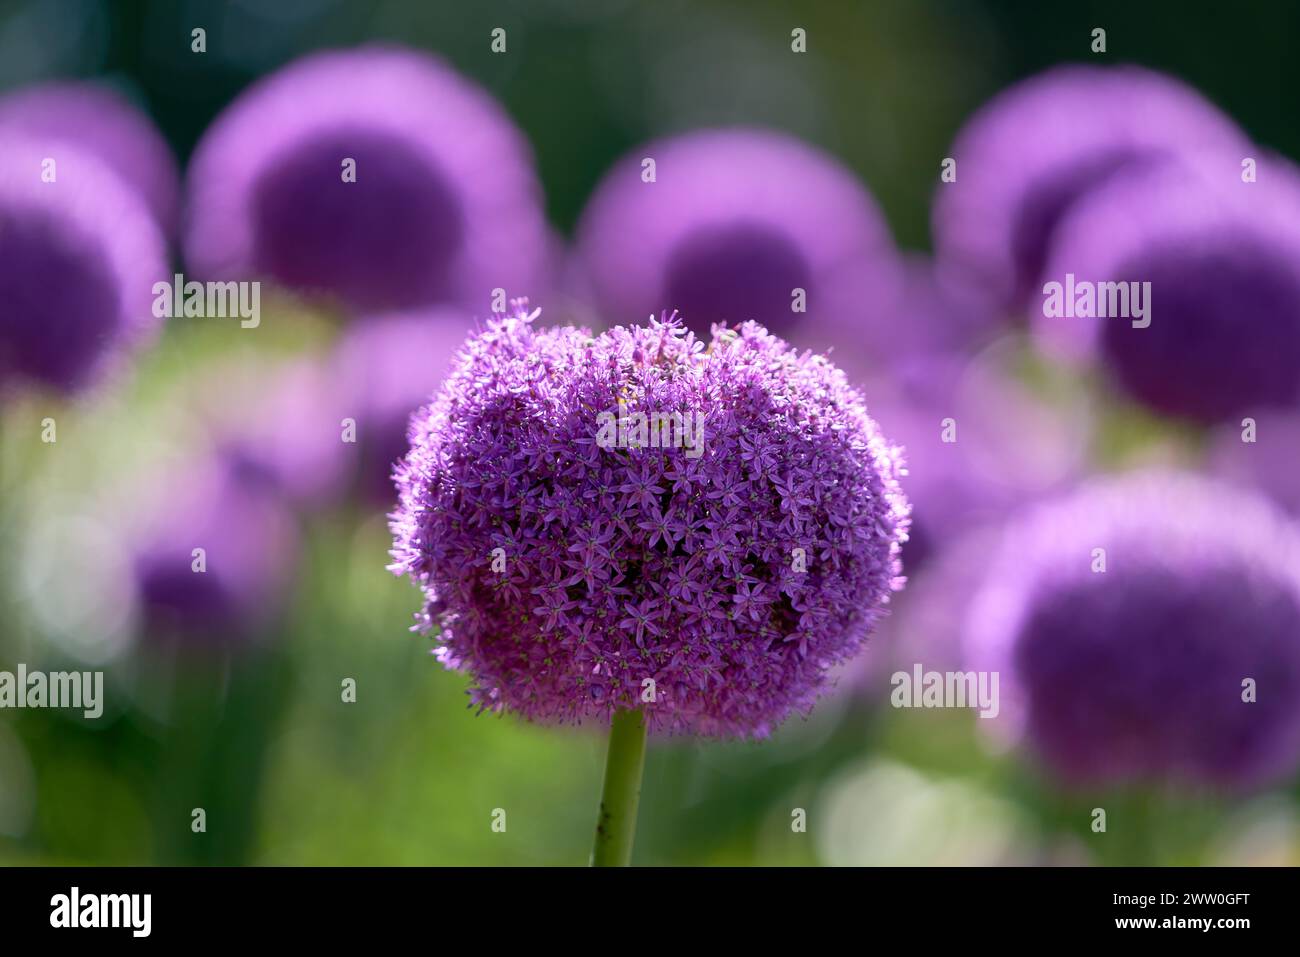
(102,122)
(79,254)
(1032,151)
(444,206)
(733,223)
(567,572)
(1220,334)
(1140,670)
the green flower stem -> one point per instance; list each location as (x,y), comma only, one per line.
(616,823)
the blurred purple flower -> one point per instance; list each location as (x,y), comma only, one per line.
(695,586)
(1027,156)
(285,432)
(946,492)
(249,550)
(386,368)
(734,222)
(1139,671)
(445,206)
(100,121)
(926,622)
(932,318)
(1221,331)
(320,431)
(1268,462)
(79,254)
(965,467)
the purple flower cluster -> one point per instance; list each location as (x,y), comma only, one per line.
(376,176)
(733,223)
(1138,667)
(572,577)
(1031,152)
(100,121)
(1222,259)
(79,253)
(1130,182)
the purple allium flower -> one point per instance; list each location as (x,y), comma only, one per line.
(102,122)
(733,223)
(1140,670)
(1220,333)
(249,546)
(1033,150)
(79,254)
(445,206)
(566,567)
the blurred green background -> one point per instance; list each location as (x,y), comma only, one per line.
(286,771)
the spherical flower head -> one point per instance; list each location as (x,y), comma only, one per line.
(1215,262)
(1031,152)
(710,572)
(1148,627)
(377,176)
(100,121)
(733,224)
(79,254)
(213,557)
